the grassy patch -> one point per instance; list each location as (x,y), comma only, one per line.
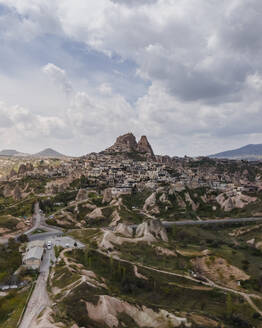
(10,260)
(157,292)
(8,222)
(147,255)
(137,199)
(38,231)
(11,307)
(129,216)
(63,277)
(84,235)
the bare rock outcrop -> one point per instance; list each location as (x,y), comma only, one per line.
(219,270)
(124,144)
(229,202)
(155,210)
(180,201)
(124,230)
(82,195)
(116,218)
(7,191)
(89,206)
(164,199)
(149,231)
(46,320)
(17,195)
(59,185)
(163,159)
(108,308)
(20,226)
(150,202)
(191,202)
(22,169)
(144,146)
(107,196)
(127,144)
(152,228)
(95,214)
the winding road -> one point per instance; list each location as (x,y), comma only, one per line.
(40,223)
(40,300)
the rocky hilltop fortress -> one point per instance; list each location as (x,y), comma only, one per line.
(127,144)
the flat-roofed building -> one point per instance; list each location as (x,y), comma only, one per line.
(33,257)
(35,243)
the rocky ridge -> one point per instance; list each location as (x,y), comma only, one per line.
(127,144)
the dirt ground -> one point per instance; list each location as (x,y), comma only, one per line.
(219,270)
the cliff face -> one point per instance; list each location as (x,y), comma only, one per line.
(127,143)
(144,146)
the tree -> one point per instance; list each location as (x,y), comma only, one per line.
(229,307)
(174,231)
(11,243)
(23,238)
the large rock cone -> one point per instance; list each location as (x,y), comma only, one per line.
(17,193)
(144,146)
(82,195)
(152,227)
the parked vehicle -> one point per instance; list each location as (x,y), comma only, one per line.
(49,244)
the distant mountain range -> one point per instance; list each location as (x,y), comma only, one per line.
(249,152)
(46,153)
(127,143)
(12,152)
(49,152)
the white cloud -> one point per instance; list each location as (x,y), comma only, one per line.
(59,77)
(105,89)
(176,42)
(201,59)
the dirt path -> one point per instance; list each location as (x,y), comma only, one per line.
(252,304)
(209,283)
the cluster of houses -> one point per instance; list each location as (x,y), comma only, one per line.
(118,171)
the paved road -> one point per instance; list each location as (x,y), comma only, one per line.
(44,235)
(215,221)
(36,220)
(36,225)
(40,223)
(200,222)
(39,299)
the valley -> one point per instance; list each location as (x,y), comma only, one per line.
(127,238)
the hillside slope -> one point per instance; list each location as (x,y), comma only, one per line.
(48,152)
(249,152)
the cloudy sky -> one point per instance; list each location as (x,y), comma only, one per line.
(75,74)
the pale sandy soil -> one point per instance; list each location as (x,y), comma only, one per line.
(219,270)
